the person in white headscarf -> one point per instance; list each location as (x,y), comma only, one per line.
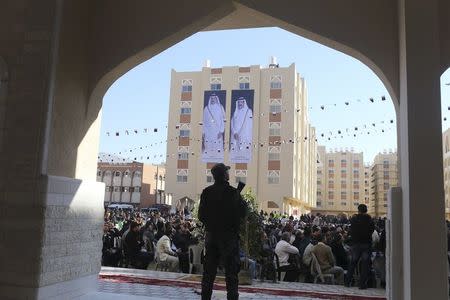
(213,130)
(241,132)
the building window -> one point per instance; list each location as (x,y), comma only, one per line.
(319,172)
(318,203)
(344,173)
(319,193)
(274,180)
(330,195)
(184,132)
(209,179)
(275,85)
(344,203)
(386,174)
(274,131)
(331,203)
(183,156)
(216,86)
(386,185)
(319,182)
(244,85)
(274,156)
(343,163)
(240,179)
(355,173)
(127,173)
(331,163)
(343,195)
(186,88)
(117,174)
(185,110)
(136,189)
(343,184)
(182,178)
(99,173)
(356,204)
(275,108)
(108,189)
(355,195)
(117,189)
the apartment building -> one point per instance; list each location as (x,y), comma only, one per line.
(133,183)
(254,119)
(383,175)
(341,181)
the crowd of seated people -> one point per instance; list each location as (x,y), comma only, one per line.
(135,239)
(288,245)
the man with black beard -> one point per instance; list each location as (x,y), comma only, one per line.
(221,210)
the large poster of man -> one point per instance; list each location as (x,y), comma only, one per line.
(213,126)
(241,126)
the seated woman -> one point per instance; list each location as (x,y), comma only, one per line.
(164,252)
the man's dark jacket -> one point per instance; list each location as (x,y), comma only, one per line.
(361,229)
(221,208)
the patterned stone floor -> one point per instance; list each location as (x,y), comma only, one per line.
(166,285)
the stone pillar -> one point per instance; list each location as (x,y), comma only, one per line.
(424,234)
(394,245)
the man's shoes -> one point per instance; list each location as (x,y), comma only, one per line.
(363,287)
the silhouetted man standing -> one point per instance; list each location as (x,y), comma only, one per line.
(361,230)
(221,210)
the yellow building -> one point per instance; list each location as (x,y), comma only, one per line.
(340,181)
(274,151)
(383,175)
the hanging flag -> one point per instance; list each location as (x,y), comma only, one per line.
(371,100)
(322,107)
(117,134)
(383,98)
(155,130)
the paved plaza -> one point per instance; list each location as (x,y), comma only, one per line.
(130,284)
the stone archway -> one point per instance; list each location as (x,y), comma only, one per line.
(78,48)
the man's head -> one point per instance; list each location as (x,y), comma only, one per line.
(240,102)
(213,99)
(286,236)
(220,172)
(134,226)
(362,209)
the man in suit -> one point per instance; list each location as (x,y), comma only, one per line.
(221,211)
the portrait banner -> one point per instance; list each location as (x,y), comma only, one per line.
(241,126)
(213,133)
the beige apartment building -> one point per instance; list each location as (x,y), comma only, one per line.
(383,175)
(340,181)
(446,166)
(265,135)
(133,182)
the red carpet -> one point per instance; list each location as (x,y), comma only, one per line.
(244,289)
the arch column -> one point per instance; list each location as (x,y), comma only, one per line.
(420,142)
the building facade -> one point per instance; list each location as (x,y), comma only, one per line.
(340,182)
(446,167)
(383,175)
(279,161)
(133,183)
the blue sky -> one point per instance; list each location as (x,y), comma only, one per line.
(140,98)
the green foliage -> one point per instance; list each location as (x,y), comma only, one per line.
(252,227)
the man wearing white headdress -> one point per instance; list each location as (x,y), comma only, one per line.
(213,130)
(241,132)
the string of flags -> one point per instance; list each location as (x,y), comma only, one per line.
(350,102)
(125,132)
